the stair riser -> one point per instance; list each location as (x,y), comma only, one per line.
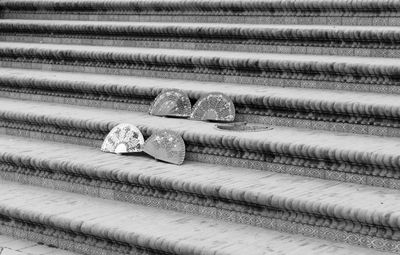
(250,109)
(48,136)
(133,105)
(243,113)
(327,123)
(250,18)
(378,85)
(372,8)
(100,229)
(69,240)
(349,168)
(218,46)
(377,237)
(333,46)
(221,66)
(284,165)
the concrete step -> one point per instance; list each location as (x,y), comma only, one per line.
(367,41)
(341,111)
(313,185)
(294,70)
(96,226)
(317,208)
(332,12)
(353,158)
(13,246)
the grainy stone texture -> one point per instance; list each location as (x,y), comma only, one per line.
(198,65)
(287,146)
(367,41)
(333,12)
(159,229)
(67,115)
(13,246)
(322,178)
(195,180)
(299,107)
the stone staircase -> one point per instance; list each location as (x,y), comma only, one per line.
(323,75)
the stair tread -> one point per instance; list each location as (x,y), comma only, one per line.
(212,180)
(371,146)
(138,224)
(229,55)
(12,246)
(197,5)
(311,97)
(198,24)
(68,35)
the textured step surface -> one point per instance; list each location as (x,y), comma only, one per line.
(52,112)
(45,49)
(334,72)
(297,70)
(12,246)
(355,112)
(143,227)
(257,198)
(366,41)
(325,151)
(372,12)
(226,207)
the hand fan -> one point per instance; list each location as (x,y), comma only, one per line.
(173,103)
(124,138)
(167,146)
(214,107)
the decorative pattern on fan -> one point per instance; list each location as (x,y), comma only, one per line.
(124,138)
(214,107)
(174,103)
(167,146)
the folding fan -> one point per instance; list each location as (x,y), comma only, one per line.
(124,138)
(214,107)
(167,146)
(173,103)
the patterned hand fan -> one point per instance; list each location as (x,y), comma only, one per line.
(173,103)
(167,146)
(124,138)
(214,106)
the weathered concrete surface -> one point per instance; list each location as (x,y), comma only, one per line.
(157,229)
